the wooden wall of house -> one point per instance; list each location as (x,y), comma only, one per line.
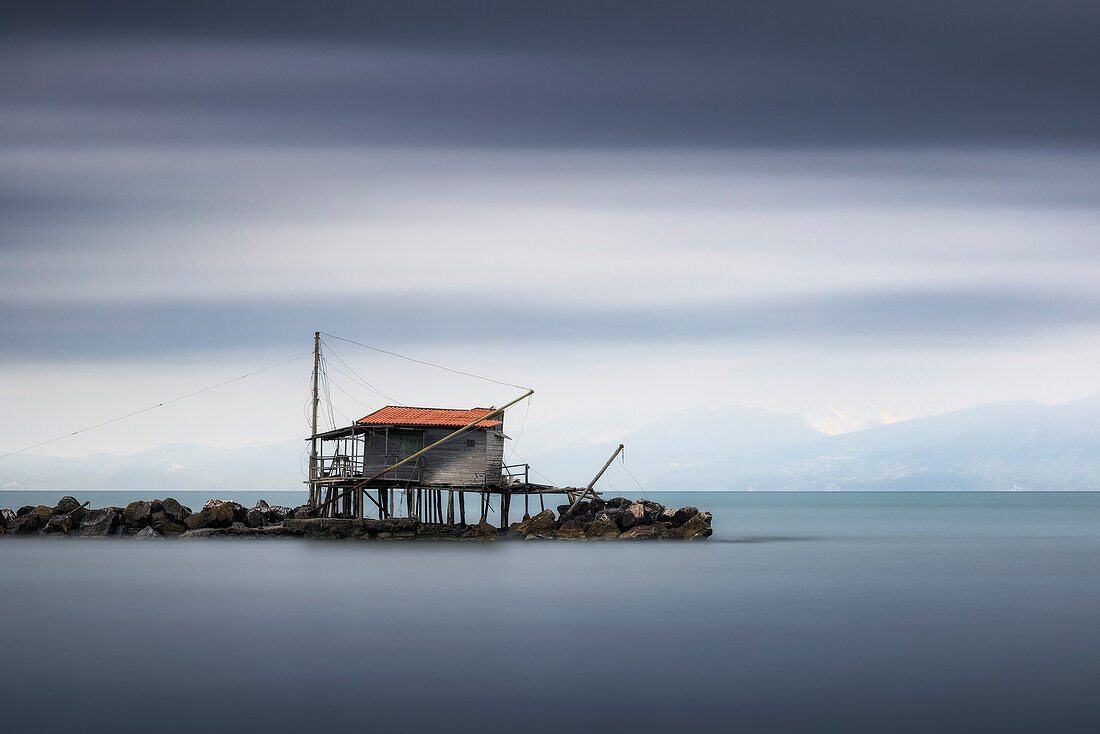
(454,463)
(494,455)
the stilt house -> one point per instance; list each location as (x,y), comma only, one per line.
(393,433)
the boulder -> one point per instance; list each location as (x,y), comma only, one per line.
(603,526)
(278,513)
(698,526)
(667,515)
(23,510)
(7,517)
(683,515)
(66,505)
(238,509)
(652,509)
(633,514)
(485,530)
(59,524)
(646,532)
(147,533)
(216,516)
(174,511)
(541,524)
(261,505)
(138,514)
(98,523)
(166,525)
(619,502)
(31,521)
(254,518)
(571,530)
(304,511)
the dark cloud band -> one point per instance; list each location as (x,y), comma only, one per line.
(153,329)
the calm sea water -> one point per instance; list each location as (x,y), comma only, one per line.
(806,612)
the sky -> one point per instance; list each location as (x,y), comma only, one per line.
(849,210)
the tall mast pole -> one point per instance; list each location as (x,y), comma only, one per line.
(316,399)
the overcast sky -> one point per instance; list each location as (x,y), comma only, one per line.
(845,209)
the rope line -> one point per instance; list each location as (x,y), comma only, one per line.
(154,407)
(429,364)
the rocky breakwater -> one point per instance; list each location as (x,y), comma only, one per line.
(618,518)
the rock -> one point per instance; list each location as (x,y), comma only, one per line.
(278,513)
(261,505)
(683,515)
(98,523)
(23,510)
(216,516)
(138,514)
(667,515)
(254,518)
(485,530)
(32,520)
(66,505)
(619,502)
(174,511)
(59,524)
(646,532)
(165,525)
(633,514)
(237,525)
(603,526)
(305,511)
(147,534)
(238,509)
(571,530)
(7,517)
(541,524)
(698,526)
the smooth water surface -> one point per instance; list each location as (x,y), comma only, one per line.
(805,612)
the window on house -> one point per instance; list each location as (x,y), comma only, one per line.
(470,443)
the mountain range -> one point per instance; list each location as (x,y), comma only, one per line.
(995,446)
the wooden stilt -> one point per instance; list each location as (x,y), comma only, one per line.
(462,508)
(451,507)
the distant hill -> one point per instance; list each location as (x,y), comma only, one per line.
(997,446)
(175,466)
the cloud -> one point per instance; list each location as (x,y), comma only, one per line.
(492,74)
(158,328)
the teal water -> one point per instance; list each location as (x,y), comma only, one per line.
(748,516)
(806,612)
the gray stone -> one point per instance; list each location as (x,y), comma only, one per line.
(603,526)
(683,515)
(541,524)
(174,511)
(166,526)
(261,505)
(59,524)
(66,505)
(32,520)
(138,514)
(697,527)
(646,532)
(571,530)
(216,516)
(238,509)
(98,523)
(147,534)
(254,518)
(633,514)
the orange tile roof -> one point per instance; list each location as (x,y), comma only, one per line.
(393,415)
